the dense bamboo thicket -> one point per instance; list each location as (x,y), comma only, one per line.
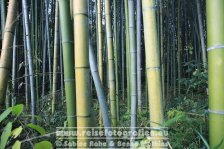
(111,66)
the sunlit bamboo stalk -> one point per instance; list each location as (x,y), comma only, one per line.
(6,54)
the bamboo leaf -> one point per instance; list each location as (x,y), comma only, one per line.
(16,145)
(18,109)
(43,145)
(218,146)
(16,132)
(173,120)
(39,129)
(20,85)
(203,139)
(21,65)
(5,114)
(5,135)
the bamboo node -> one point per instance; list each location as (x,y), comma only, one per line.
(83,116)
(155,7)
(71,116)
(6,68)
(156,68)
(216,112)
(69,80)
(215,47)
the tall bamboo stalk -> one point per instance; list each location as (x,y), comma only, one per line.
(162,51)
(179,52)
(14,71)
(215,44)
(201,31)
(100,48)
(48,42)
(139,66)
(100,93)
(100,39)
(122,51)
(26,72)
(44,63)
(82,71)
(61,71)
(55,64)
(111,68)
(6,54)
(3,14)
(116,56)
(68,59)
(30,61)
(37,51)
(152,64)
(127,55)
(133,65)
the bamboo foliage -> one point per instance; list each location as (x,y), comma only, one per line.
(111,67)
(6,54)
(215,44)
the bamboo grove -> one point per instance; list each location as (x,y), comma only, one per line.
(97,61)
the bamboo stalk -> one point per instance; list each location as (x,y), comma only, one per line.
(14,70)
(139,66)
(116,57)
(6,54)
(3,14)
(48,42)
(68,59)
(152,65)
(82,71)
(55,64)
(112,87)
(215,44)
(30,61)
(127,55)
(201,31)
(133,66)
(100,48)
(122,51)
(100,93)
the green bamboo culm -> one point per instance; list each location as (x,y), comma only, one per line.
(6,54)
(152,65)
(3,14)
(112,87)
(116,58)
(215,44)
(127,55)
(82,69)
(100,50)
(68,59)
(55,64)
(133,66)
